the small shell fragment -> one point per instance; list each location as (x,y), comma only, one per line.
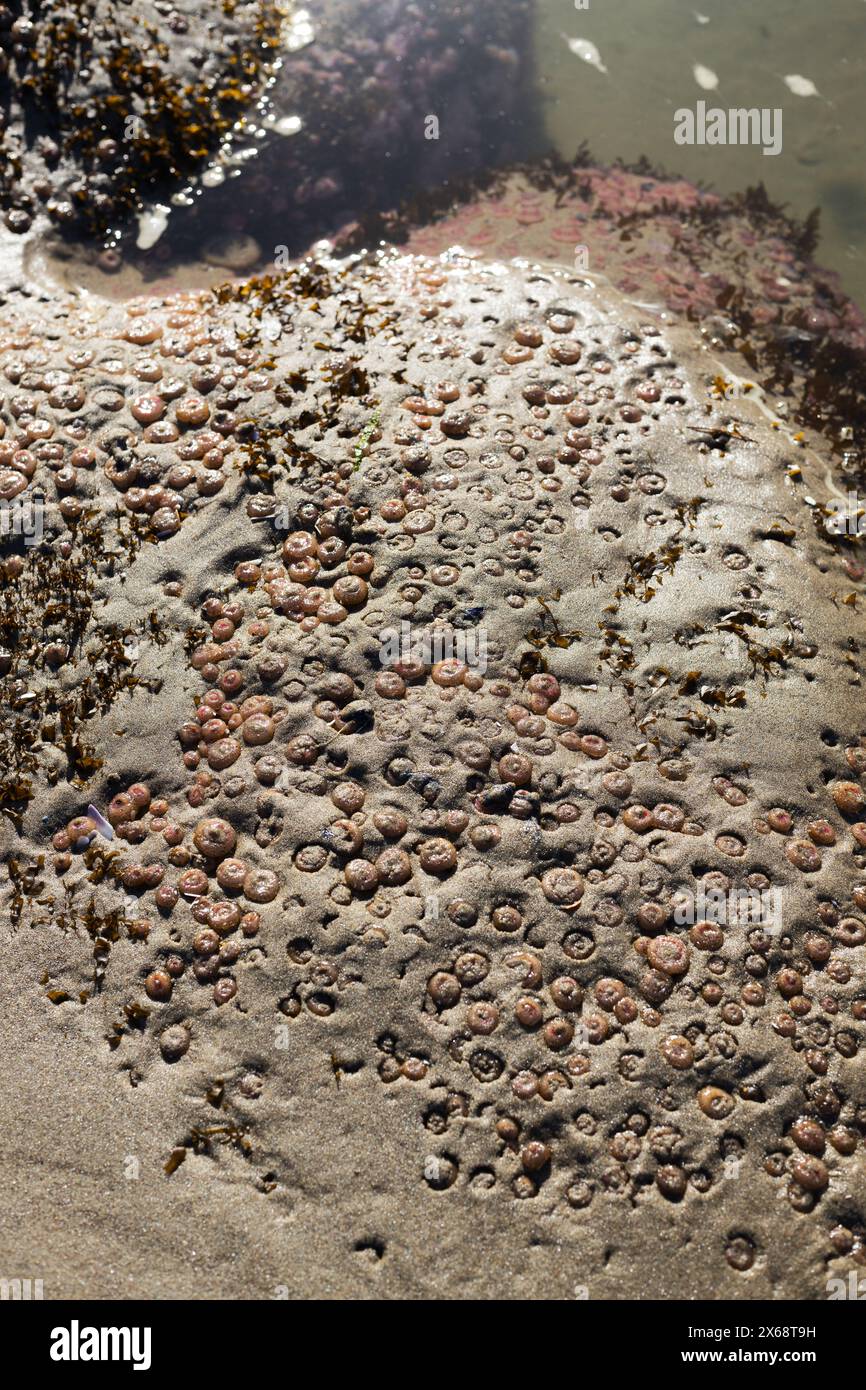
(102,825)
(801,86)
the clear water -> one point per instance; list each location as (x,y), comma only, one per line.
(650,48)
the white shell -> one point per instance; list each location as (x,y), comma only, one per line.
(151,225)
(801,86)
(705,77)
(582,48)
(102,825)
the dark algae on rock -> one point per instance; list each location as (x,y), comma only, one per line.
(107,104)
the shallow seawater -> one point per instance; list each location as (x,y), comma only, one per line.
(650,49)
(611,76)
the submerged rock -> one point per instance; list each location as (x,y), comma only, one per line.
(114,108)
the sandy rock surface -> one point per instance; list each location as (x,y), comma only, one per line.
(455,1026)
